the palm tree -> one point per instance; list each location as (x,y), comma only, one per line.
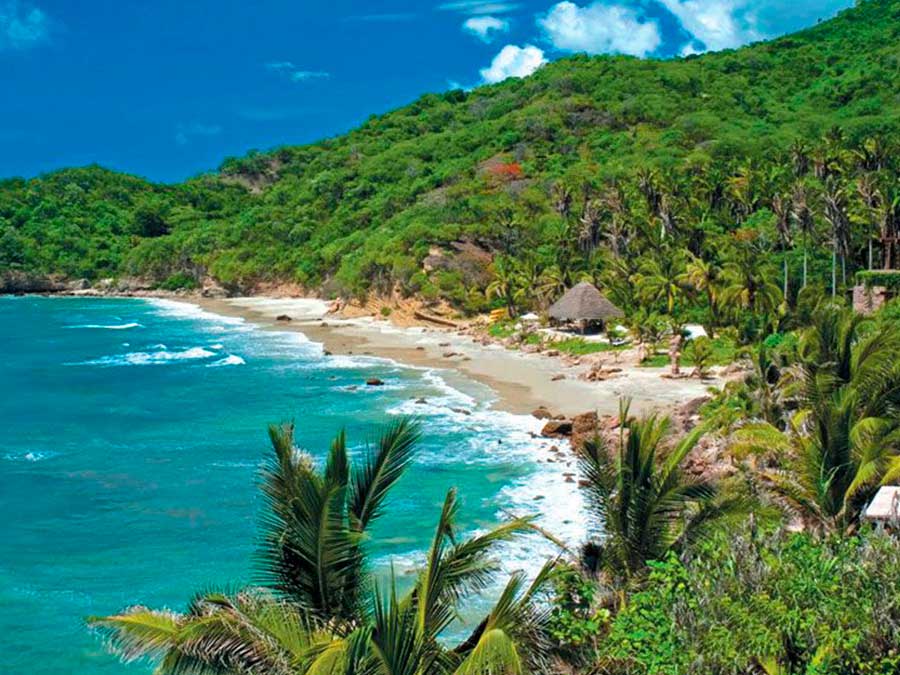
(845,438)
(641,501)
(747,285)
(618,233)
(836,215)
(803,217)
(870,196)
(320,612)
(506,285)
(889,225)
(800,158)
(561,196)
(589,226)
(703,276)
(658,280)
(782,210)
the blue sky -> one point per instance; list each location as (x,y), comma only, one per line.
(168,88)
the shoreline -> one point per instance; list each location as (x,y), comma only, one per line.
(521,381)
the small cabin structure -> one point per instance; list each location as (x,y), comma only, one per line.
(584,305)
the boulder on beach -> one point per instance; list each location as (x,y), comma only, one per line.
(542,413)
(557,429)
(584,428)
(283,318)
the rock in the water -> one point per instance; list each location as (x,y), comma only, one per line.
(557,429)
(326,352)
(421,401)
(374,382)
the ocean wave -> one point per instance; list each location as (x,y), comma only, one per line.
(150,358)
(187,310)
(31,456)
(230,360)
(124,326)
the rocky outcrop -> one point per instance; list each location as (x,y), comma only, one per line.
(18,282)
(557,429)
(584,428)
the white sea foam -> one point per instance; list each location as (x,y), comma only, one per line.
(230,360)
(124,326)
(543,493)
(31,456)
(150,358)
(186,310)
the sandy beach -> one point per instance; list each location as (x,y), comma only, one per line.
(522,382)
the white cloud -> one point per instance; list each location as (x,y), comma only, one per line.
(725,24)
(479,7)
(294,74)
(713,22)
(22,25)
(599,29)
(513,61)
(303,75)
(485,28)
(184,132)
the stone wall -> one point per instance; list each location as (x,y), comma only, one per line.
(867,300)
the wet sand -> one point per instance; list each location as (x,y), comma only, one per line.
(522,382)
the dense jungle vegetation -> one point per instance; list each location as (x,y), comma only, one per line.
(712,187)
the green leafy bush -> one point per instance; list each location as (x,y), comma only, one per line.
(755,602)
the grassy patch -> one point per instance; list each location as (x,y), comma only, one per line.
(579,347)
(725,351)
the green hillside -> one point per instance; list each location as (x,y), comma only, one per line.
(608,167)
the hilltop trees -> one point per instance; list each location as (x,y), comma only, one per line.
(592,166)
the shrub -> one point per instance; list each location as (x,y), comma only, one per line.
(179,281)
(776,602)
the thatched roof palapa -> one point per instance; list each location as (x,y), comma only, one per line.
(584,303)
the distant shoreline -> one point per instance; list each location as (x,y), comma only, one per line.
(522,382)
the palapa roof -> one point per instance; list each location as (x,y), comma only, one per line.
(584,302)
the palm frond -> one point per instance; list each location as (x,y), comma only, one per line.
(382,469)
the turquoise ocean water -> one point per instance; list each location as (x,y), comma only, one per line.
(132,433)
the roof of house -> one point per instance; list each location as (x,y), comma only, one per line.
(584,302)
(885,505)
